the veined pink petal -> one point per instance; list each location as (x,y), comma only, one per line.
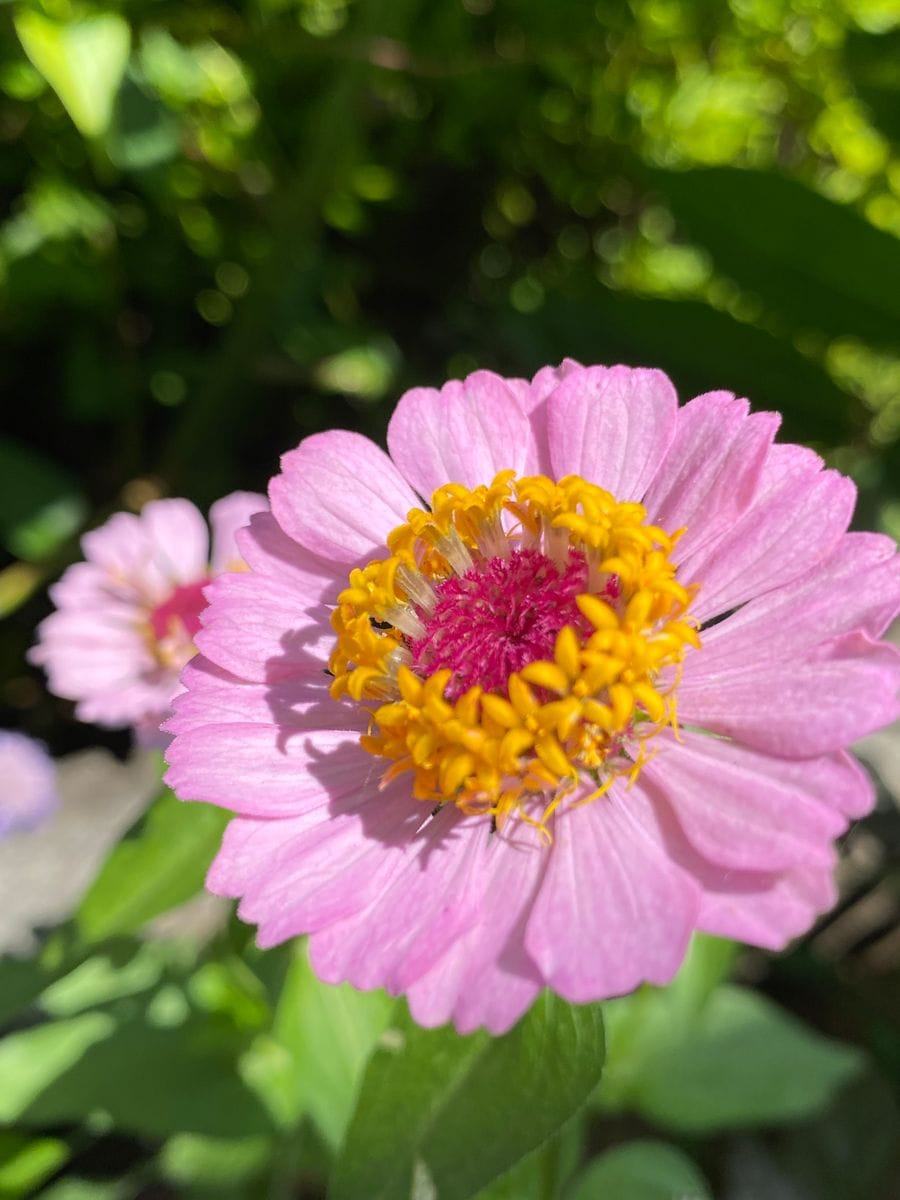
(226,517)
(794,523)
(464,433)
(612,425)
(261,771)
(856,588)
(632,886)
(533,396)
(213,695)
(711,470)
(763,814)
(261,629)
(339,495)
(844,689)
(267,550)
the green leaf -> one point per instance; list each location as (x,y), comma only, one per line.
(190,1159)
(607,326)
(330,1033)
(40,505)
(641,1170)
(162,866)
(32,1060)
(769,234)
(83,61)
(742,1061)
(154,1072)
(448,1113)
(26,1162)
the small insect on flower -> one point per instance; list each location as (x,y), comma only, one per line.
(126,617)
(567,675)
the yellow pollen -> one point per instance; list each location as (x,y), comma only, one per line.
(573,721)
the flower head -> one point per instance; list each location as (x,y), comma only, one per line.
(28,792)
(126,617)
(565,677)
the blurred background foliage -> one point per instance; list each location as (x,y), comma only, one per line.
(226,225)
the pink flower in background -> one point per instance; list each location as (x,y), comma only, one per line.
(126,617)
(28,794)
(567,676)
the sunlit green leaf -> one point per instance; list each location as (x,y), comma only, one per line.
(330,1033)
(448,1113)
(83,61)
(163,865)
(26,1162)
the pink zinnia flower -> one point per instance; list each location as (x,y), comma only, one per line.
(126,617)
(28,793)
(443,700)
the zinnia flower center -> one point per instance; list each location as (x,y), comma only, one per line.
(511,645)
(173,625)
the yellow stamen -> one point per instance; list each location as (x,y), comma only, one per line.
(587,712)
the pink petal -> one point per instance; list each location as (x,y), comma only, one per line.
(331,870)
(712,468)
(214,696)
(434,897)
(796,520)
(747,810)
(857,587)
(267,550)
(533,396)
(767,911)
(260,629)
(844,689)
(262,771)
(612,911)
(764,908)
(226,517)
(178,538)
(465,433)
(486,977)
(339,495)
(613,426)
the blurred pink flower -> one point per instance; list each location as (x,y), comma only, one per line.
(126,617)
(450,733)
(28,794)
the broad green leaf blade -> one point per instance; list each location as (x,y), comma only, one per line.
(608,326)
(743,1062)
(83,61)
(330,1033)
(156,1070)
(40,505)
(32,1060)
(162,866)
(642,1170)
(769,234)
(452,1113)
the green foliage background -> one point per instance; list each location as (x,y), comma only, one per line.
(226,225)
